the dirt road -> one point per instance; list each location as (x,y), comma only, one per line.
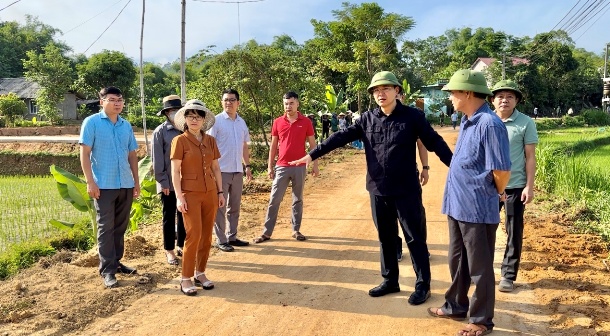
(316,287)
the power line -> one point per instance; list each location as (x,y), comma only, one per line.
(570,11)
(237,2)
(595,11)
(594,22)
(584,19)
(580,17)
(1,9)
(107,27)
(93,17)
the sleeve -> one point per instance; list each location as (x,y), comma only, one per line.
(215,151)
(309,131)
(87,133)
(159,159)
(496,147)
(133,144)
(177,152)
(531,133)
(212,131)
(274,131)
(338,139)
(432,140)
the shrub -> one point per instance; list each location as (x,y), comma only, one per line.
(30,123)
(151,121)
(569,121)
(11,106)
(547,124)
(596,117)
(21,256)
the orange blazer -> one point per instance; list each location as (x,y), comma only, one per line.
(196,168)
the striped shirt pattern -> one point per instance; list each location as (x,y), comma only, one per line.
(230,136)
(482,146)
(110,146)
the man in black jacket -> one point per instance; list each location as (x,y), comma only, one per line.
(389,134)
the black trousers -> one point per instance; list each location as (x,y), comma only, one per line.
(406,209)
(514,209)
(325,133)
(171,231)
(112,208)
(471,258)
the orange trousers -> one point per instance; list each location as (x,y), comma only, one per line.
(198,222)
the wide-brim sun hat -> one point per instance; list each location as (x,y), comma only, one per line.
(170,102)
(383,78)
(195,104)
(507,85)
(468,80)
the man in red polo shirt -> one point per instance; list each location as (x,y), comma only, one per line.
(288,137)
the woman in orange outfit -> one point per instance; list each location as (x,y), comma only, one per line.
(198,184)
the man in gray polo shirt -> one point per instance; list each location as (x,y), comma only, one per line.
(523,137)
(232,137)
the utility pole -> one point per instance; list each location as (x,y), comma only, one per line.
(182,56)
(142,78)
(606,83)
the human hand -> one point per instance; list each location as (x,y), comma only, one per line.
(136,191)
(527,195)
(93,190)
(248,174)
(181,204)
(270,173)
(221,200)
(315,171)
(305,159)
(423,177)
(165,191)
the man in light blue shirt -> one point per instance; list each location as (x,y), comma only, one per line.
(478,174)
(232,137)
(523,138)
(110,165)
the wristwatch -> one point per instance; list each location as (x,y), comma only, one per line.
(425,167)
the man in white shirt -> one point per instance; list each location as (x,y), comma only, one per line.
(232,137)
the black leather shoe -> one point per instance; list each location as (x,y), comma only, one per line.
(126,269)
(418,297)
(225,247)
(238,242)
(383,289)
(110,281)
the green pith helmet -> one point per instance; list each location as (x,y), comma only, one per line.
(468,80)
(384,78)
(509,85)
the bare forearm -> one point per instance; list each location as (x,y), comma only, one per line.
(501,178)
(423,153)
(246,154)
(217,175)
(85,163)
(176,177)
(530,165)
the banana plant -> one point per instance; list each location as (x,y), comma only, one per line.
(409,97)
(334,101)
(74,190)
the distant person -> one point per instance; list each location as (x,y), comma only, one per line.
(522,137)
(570,111)
(162,143)
(441,118)
(454,118)
(325,126)
(314,124)
(558,112)
(389,133)
(358,142)
(477,177)
(342,121)
(197,181)
(334,123)
(288,136)
(232,137)
(535,113)
(110,164)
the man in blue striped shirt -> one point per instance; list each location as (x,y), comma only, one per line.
(478,174)
(110,165)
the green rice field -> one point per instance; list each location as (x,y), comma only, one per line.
(26,206)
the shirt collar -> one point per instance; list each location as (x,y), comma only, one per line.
(225,115)
(299,116)
(194,140)
(103,115)
(477,114)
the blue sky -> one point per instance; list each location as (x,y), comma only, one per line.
(218,24)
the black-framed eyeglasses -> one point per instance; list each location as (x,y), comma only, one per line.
(229,100)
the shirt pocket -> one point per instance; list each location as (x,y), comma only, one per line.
(374,134)
(191,176)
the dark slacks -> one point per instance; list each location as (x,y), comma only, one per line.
(514,209)
(406,209)
(113,208)
(471,255)
(173,223)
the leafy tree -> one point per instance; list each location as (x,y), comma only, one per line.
(360,42)
(11,107)
(52,71)
(108,68)
(16,40)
